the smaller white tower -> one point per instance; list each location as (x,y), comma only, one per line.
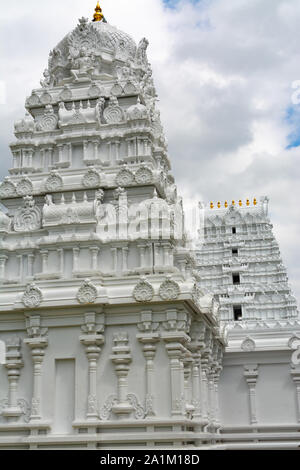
(240,263)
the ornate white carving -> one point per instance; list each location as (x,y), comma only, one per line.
(169,290)
(248,344)
(106,410)
(143,292)
(124,178)
(91,179)
(46,98)
(25,125)
(21,404)
(24,187)
(113,114)
(137,111)
(144,175)
(7,188)
(49,120)
(141,53)
(29,217)
(134,402)
(87,293)
(33,100)
(32,297)
(54,182)
(94,91)
(66,94)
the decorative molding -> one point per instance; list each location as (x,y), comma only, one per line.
(54,182)
(143,291)
(251,376)
(169,290)
(248,345)
(7,189)
(32,297)
(24,187)
(144,175)
(91,179)
(124,178)
(87,293)
(28,218)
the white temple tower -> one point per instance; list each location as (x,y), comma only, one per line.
(239,262)
(109,342)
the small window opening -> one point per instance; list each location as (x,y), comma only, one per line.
(237,312)
(236,279)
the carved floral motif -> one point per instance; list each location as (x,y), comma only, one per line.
(143,292)
(28,218)
(32,297)
(7,189)
(49,120)
(113,114)
(169,290)
(91,178)
(24,187)
(87,293)
(54,182)
(144,175)
(124,178)
(248,345)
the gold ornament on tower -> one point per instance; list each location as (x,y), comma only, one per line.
(98,16)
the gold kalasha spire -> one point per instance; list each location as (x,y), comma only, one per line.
(98,16)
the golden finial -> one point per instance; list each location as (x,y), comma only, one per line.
(233,203)
(248,202)
(226,204)
(240,203)
(98,16)
(255,201)
(211,205)
(219,205)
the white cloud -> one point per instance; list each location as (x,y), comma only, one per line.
(224,71)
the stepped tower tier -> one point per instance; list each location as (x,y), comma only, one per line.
(102,318)
(239,260)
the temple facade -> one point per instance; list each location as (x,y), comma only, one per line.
(113,333)
(109,341)
(239,261)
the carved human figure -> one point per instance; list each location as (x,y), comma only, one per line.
(46,82)
(82,65)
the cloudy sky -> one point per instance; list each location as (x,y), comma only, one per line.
(224,71)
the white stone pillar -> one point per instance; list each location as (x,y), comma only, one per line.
(60,153)
(188,364)
(37,342)
(121,358)
(94,258)
(295,373)
(114,252)
(30,259)
(92,339)
(60,252)
(76,253)
(251,375)
(148,338)
(44,255)
(13,365)
(3,261)
(21,267)
(175,338)
(85,150)
(96,146)
(125,252)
